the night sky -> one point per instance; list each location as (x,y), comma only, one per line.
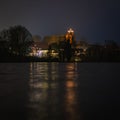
(94,20)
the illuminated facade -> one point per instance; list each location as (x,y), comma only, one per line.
(54,44)
(39,48)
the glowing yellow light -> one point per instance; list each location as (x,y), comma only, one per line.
(70,30)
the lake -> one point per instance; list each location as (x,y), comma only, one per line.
(59,91)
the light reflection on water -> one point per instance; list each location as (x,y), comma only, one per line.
(60,91)
(52,91)
(73,91)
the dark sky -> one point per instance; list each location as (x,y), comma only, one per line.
(96,20)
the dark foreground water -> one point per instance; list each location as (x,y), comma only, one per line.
(59,91)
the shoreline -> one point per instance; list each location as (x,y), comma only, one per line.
(21,59)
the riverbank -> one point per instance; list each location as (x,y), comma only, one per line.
(26,59)
(37,59)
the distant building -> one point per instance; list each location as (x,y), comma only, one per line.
(54,44)
(82,45)
(80,50)
(39,48)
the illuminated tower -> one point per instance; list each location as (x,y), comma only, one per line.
(70,35)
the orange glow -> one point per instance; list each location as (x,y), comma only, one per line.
(70,84)
(69,35)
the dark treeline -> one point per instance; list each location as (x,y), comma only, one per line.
(109,52)
(14,41)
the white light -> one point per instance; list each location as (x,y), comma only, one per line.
(70,30)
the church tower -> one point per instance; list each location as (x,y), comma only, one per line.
(70,35)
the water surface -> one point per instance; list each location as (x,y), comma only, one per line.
(60,91)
